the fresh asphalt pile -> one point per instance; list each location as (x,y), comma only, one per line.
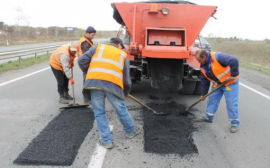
(58,143)
(169,134)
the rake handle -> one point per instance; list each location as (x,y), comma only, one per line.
(198,101)
(144,105)
(72,86)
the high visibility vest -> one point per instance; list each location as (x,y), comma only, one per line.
(221,73)
(83,39)
(55,61)
(107,64)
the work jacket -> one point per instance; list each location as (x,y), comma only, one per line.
(55,60)
(83,39)
(107,64)
(84,62)
(220,72)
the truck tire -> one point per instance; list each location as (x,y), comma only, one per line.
(188,87)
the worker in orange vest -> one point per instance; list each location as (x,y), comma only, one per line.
(217,68)
(107,76)
(61,60)
(85,44)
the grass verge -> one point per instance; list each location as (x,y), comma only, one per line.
(26,62)
(255,67)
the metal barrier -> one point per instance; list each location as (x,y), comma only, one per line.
(22,53)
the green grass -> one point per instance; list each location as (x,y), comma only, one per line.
(14,65)
(255,67)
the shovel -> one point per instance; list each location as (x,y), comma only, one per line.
(144,105)
(74,105)
(198,101)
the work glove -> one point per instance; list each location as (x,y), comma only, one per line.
(71,81)
(127,95)
(71,65)
(232,78)
(202,98)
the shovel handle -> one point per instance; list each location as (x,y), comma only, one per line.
(198,101)
(72,87)
(144,105)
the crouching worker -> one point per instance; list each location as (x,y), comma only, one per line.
(107,76)
(61,60)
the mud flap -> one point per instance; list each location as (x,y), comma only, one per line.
(166,74)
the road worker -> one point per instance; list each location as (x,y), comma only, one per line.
(126,40)
(85,44)
(107,76)
(61,60)
(215,69)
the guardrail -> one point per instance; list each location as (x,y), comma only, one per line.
(23,53)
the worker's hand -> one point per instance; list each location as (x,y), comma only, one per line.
(127,95)
(71,81)
(202,98)
(232,78)
(71,65)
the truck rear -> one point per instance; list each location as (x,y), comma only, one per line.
(160,35)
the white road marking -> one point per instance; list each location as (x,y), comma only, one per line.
(255,91)
(98,155)
(5,83)
(14,80)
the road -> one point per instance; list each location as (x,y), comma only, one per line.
(28,104)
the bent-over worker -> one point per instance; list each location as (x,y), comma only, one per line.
(61,60)
(107,76)
(216,68)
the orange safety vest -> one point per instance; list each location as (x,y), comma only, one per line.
(83,39)
(221,73)
(107,64)
(55,61)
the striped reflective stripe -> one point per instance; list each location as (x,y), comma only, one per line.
(210,114)
(224,73)
(99,58)
(101,51)
(121,58)
(108,61)
(236,119)
(106,71)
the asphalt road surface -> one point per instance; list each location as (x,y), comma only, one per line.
(29,101)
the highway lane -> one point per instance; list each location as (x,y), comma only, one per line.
(28,104)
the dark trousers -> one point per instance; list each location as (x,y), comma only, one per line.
(62,81)
(85,99)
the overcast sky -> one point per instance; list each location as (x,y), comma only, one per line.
(246,19)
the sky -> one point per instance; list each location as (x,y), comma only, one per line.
(245,19)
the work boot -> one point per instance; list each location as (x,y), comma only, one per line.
(136,132)
(67,96)
(203,119)
(234,129)
(63,100)
(109,146)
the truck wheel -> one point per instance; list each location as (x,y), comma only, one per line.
(188,87)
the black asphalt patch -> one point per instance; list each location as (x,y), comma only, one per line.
(58,143)
(169,134)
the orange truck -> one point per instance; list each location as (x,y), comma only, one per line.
(159,38)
